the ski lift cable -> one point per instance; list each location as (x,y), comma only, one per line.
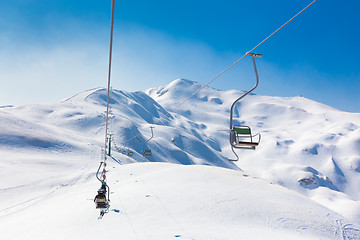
(167,210)
(232,65)
(108,92)
(217,76)
(212,80)
(151,126)
(162,204)
(100,199)
(130,153)
(109,73)
(128,217)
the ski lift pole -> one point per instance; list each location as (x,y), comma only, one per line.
(109,152)
(253,55)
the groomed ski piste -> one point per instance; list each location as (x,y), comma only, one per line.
(301,182)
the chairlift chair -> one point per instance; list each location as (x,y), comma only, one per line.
(147,152)
(102,203)
(241,136)
(102,199)
(130,153)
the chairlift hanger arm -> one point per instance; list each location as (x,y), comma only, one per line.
(108,190)
(253,55)
(97,172)
(232,132)
(152,135)
(237,157)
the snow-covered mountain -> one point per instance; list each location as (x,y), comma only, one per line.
(301,182)
(306,146)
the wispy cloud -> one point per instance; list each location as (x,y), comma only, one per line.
(70,61)
(141,59)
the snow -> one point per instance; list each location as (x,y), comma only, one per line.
(301,182)
(162,200)
(298,134)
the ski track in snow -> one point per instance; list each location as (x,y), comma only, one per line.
(309,160)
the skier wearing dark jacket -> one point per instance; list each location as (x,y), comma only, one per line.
(100,198)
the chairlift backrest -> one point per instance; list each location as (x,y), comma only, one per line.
(239,136)
(242,130)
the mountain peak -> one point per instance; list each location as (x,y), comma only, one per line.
(179,88)
(182,82)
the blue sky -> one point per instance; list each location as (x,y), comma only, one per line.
(52,49)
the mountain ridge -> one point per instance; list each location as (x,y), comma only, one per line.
(306,146)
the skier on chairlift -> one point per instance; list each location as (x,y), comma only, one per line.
(101,201)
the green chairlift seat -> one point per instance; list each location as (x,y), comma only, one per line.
(242,138)
(130,153)
(147,153)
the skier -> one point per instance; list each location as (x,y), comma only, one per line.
(101,201)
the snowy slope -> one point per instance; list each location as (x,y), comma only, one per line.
(301,182)
(167,201)
(306,146)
